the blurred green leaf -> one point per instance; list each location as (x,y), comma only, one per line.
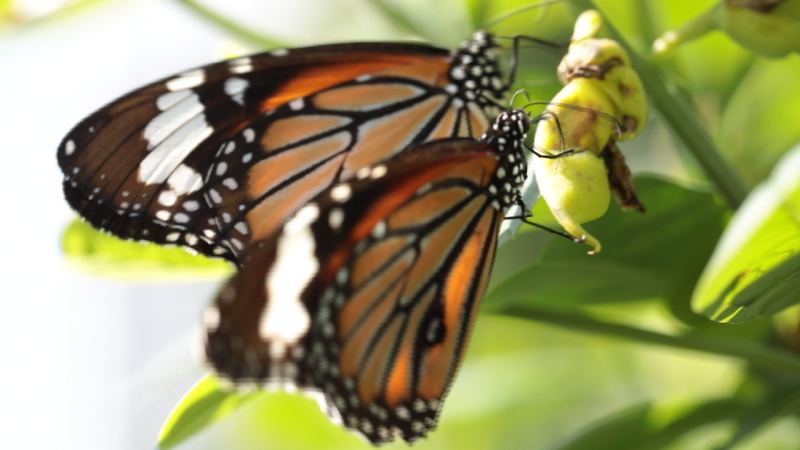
(477,12)
(623,429)
(101,254)
(755,270)
(759,123)
(204,404)
(253,37)
(636,427)
(656,255)
(774,404)
(398,17)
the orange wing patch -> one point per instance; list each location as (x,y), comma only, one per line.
(271,172)
(447,126)
(287,131)
(375,257)
(371,379)
(390,134)
(440,362)
(357,345)
(429,69)
(270,214)
(370,294)
(478,119)
(398,386)
(437,246)
(432,72)
(366,97)
(427,207)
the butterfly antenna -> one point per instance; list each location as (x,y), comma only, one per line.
(547,115)
(516,93)
(619,127)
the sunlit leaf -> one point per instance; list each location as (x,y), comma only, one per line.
(204,404)
(755,270)
(655,255)
(101,254)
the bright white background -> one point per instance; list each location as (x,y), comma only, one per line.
(89,363)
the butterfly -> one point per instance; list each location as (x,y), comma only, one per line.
(218,157)
(368,293)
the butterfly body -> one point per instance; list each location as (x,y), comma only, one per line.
(369,292)
(220,156)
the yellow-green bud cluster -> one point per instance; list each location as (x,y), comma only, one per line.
(602,101)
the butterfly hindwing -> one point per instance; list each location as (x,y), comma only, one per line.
(222,155)
(368,293)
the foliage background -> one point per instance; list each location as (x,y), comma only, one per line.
(614,356)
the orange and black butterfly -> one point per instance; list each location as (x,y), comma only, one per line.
(368,293)
(220,156)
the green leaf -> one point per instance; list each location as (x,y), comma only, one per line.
(638,427)
(253,37)
(759,123)
(204,404)
(477,11)
(619,430)
(780,402)
(101,254)
(658,254)
(755,270)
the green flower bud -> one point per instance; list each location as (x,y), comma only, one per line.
(575,188)
(605,60)
(767,27)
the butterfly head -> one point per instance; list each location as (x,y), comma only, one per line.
(474,71)
(507,135)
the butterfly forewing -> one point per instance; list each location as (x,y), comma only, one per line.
(222,155)
(369,292)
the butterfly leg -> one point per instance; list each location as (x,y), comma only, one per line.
(526,219)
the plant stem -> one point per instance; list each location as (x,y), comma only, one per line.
(779,361)
(231,26)
(683,119)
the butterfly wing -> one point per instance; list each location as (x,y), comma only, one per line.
(369,292)
(221,155)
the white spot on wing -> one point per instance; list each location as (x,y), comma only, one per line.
(378,171)
(170,99)
(249,135)
(336,218)
(285,320)
(168,155)
(69,147)
(172,119)
(230,183)
(187,80)
(167,198)
(241,65)
(279,52)
(341,193)
(184,180)
(235,88)
(211,318)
